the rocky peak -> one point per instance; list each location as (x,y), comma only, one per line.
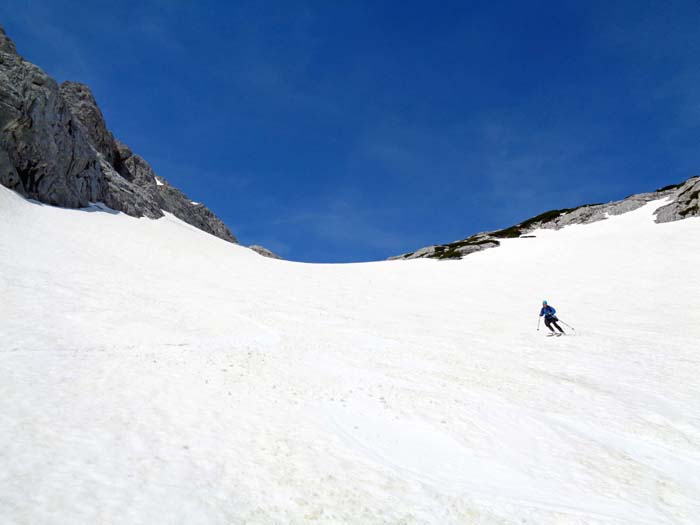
(6,44)
(44,152)
(55,147)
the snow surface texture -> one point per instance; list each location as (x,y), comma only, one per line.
(152,373)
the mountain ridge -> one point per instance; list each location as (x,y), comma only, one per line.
(685,203)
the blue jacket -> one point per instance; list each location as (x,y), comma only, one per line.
(548,312)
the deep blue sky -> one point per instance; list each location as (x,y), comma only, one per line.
(351,131)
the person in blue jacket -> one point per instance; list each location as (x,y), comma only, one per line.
(550,318)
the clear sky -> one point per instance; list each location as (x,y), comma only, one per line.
(351,131)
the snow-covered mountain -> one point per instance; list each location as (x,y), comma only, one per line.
(151,373)
(682,202)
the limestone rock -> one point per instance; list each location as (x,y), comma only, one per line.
(82,104)
(264,251)
(169,198)
(55,147)
(127,197)
(6,45)
(684,203)
(44,153)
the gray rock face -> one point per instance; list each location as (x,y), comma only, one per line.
(55,147)
(684,202)
(264,251)
(84,107)
(44,152)
(169,198)
(6,45)
(127,197)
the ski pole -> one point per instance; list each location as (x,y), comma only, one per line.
(538,323)
(567,324)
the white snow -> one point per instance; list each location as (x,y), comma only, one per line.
(194,203)
(158,182)
(151,373)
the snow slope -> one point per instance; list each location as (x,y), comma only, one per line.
(151,373)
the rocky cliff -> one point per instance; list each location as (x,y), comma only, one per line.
(55,147)
(684,202)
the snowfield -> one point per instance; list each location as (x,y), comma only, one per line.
(151,373)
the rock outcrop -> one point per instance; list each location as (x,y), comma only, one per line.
(45,153)
(684,202)
(264,251)
(55,147)
(168,198)
(84,107)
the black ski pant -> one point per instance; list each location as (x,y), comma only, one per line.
(549,321)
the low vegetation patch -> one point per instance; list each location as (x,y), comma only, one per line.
(670,187)
(451,250)
(517,230)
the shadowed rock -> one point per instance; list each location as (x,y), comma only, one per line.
(169,198)
(45,153)
(84,107)
(6,45)
(55,147)
(685,204)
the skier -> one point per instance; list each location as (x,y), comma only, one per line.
(550,319)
